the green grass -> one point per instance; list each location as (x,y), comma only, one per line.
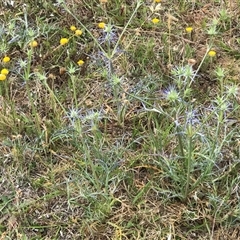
(139,142)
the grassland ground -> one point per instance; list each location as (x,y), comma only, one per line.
(119,119)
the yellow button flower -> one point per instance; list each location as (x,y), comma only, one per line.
(157,1)
(2,77)
(212,53)
(78,32)
(101,25)
(155,20)
(64,41)
(80,62)
(4,71)
(188,29)
(33,43)
(6,59)
(73,28)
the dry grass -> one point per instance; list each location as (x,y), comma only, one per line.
(102,151)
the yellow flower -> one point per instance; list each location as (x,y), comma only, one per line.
(212,53)
(80,62)
(78,32)
(2,77)
(188,29)
(155,20)
(33,43)
(64,41)
(6,59)
(4,71)
(157,1)
(73,28)
(101,25)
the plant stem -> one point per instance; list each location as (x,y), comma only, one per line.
(188,167)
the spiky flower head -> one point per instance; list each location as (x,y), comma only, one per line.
(171,94)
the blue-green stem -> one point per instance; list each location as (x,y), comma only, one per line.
(72,77)
(27,75)
(188,162)
(179,135)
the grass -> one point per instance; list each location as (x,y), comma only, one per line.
(130,131)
